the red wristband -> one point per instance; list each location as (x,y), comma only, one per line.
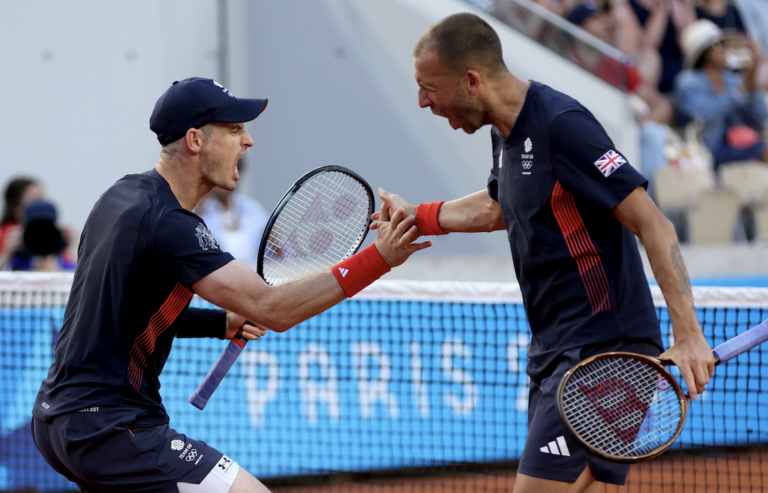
(427,219)
(360,270)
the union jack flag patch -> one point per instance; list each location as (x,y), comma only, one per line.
(609,162)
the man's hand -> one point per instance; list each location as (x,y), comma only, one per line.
(236,324)
(390,203)
(395,237)
(696,362)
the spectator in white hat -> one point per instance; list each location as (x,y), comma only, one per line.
(730,105)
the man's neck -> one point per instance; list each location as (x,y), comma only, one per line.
(224,201)
(184,184)
(507,97)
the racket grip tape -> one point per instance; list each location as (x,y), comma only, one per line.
(741,343)
(199,397)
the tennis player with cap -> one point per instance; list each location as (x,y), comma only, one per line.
(98,418)
(570,203)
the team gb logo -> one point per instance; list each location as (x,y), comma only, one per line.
(205,237)
(177,445)
(226,91)
(528,145)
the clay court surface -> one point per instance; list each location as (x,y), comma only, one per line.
(728,472)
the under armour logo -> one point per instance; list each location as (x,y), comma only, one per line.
(224,463)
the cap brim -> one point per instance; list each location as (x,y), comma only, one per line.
(242,110)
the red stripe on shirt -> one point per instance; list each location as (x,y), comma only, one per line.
(581,248)
(144,345)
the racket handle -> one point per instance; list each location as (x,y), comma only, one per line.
(199,397)
(741,343)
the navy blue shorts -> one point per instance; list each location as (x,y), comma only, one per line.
(99,453)
(550,452)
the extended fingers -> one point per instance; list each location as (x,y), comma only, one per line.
(397,218)
(702,372)
(415,247)
(690,381)
(696,375)
(375,217)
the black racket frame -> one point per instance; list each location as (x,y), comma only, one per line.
(295,188)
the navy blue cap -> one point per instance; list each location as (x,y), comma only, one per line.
(38,210)
(581,13)
(195,102)
(41,236)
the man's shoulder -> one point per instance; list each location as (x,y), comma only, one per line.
(130,197)
(554,103)
(135,184)
(554,98)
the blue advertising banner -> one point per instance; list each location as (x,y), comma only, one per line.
(367,385)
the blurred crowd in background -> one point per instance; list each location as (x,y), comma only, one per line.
(696,75)
(31,238)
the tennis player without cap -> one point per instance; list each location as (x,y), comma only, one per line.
(98,417)
(570,203)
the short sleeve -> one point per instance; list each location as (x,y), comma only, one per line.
(493,178)
(182,240)
(587,163)
(203,322)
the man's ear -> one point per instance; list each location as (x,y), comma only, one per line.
(472,81)
(195,139)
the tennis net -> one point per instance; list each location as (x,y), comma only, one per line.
(411,386)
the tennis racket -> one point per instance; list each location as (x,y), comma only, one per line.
(626,407)
(320,221)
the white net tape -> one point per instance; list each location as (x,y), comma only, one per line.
(453,291)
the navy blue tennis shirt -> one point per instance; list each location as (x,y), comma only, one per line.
(139,253)
(558,177)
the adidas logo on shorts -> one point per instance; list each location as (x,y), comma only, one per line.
(556,447)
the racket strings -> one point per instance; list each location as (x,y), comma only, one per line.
(622,407)
(322,223)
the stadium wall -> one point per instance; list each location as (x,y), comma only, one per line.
(339,75)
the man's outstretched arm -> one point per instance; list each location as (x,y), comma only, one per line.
(690,353)
(237,288)
(474,213)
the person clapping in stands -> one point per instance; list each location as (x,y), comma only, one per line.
(729,105)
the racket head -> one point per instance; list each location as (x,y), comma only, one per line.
(622,407)
(321,220)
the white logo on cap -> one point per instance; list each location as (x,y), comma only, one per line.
(226,91)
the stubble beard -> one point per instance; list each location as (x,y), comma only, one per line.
(470,111)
